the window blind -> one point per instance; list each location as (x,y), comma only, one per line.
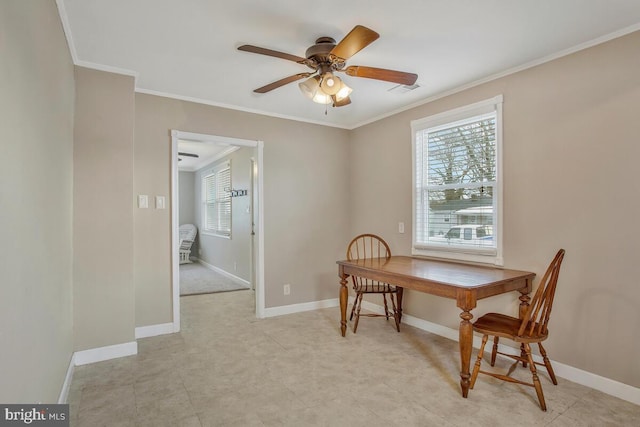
(217,200)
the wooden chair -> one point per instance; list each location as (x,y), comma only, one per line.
(532,328)
(371,246)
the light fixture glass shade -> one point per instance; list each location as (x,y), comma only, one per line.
(310,86)
(343,92)
(330,84)
(311,89)
(322,98)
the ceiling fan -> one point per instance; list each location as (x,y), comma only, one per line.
(326,58)
(186,155)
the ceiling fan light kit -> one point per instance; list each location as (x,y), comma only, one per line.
(313,88)
(326,58)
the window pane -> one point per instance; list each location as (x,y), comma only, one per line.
(472,208)
(455,179)
(462,153)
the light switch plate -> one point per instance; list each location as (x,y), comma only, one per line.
(160,202)
(143,201)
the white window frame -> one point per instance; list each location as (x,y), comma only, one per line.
(216,171)
(480,255)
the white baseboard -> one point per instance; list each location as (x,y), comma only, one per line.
(154,330)
(597,382)
(223,272)
(64,393)
(297,308)
(100,354)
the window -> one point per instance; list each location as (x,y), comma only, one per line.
(457,197)
(216,200)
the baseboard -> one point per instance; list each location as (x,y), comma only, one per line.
(154,330)
(597,382)
(100,354)
(64,393)
(297,308)
(223,272)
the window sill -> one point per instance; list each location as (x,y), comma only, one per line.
(460,255)
(222,236)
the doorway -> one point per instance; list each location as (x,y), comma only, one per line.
(257,215)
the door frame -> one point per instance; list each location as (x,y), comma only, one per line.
(258,248)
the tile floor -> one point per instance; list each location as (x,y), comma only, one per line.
(227,368)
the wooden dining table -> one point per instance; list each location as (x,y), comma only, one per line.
(462,282)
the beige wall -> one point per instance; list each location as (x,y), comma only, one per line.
(103,210)
(570,180)
(570,154)
(36,119)
(231,255)
(306,200)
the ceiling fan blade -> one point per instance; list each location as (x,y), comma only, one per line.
(357,39)
(269,52)
(281,82)
(188,154)
(344,101)
(382,74)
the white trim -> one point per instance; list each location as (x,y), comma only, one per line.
(297,308)
(516,69)
(579,376)
(66,27)
(175,233)
(99,354)
(259,285)
(493,256)
(64,393)
(154,330)
(108,69)
(175,257)
(237,108)
(223,272)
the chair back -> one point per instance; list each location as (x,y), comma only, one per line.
(537,317)
(368,246)
(188,232)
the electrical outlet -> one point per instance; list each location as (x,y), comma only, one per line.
(235,266)
(401,227)
(287,289)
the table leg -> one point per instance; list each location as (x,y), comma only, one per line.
(466,344)
(344,296)
(466,301)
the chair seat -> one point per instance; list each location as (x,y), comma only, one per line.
(505,326)
(375,288)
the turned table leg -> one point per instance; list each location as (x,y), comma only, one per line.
(344,295)
(466,302)
(466,344)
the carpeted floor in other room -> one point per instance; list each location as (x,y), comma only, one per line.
(197,279)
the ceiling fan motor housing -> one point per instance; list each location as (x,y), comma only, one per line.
(319,55)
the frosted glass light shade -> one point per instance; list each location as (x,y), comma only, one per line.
(343,92)
(330,84)
(310,86)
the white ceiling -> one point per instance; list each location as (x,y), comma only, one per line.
(188,49)
(207,152)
